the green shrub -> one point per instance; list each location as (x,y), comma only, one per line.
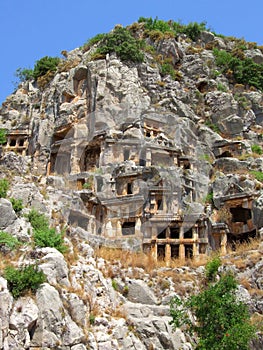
(24,74)
(44,65)
(37,220)
(222,322)
(92,319)
(212,126)
(17,204)
(258,175)
(211,268)
(43,235)
(209,198)
(244,71)
(123,43)
(155,24)
(2,136)
(23,279)
(92,41)
(221,87)
(4,186)
(114,284)
(167,69)
(49,238)
(194,29)
(6,239)
(256,149)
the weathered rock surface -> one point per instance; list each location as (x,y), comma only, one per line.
(212,124)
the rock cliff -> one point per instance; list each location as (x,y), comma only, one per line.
(147,139)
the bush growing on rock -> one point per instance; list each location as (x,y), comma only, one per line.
(2,136)
(37,220)
(211,268)
(123,43)
(4,186)
(17,204)
(24,279)
(244,71)
(6,239)
(92,41)
(49,238)
(45,65)
(24,74)
(44,236)
(256,149)
(222,321)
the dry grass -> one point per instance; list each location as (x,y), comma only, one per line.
(140,260)
(256,292)
(241,248)
(11,258)
(126,259)
(245,283)
(243,255)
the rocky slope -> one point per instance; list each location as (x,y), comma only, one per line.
(90,301)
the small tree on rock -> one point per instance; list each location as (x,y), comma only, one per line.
(220,321)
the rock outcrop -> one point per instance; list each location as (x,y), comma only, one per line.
(160,156)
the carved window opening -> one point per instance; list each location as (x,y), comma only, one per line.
(128,228)
(126,154)
(188,251)
(188,233)
(90,158)
(60,163)
(186,165)
(240,214)
(161,251)
(174,251)
(225,154)
(159,204)
(142,159)
(162,234)
(21,142)
(12,143)
(175,232)
(129,188)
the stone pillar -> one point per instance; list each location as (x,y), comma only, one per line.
(108,229)
(195,243)
(181,245)
(138,227)
(223,243)
(74,160)
(148,158)
(118,228)
(181,234)
(167,254)
(154,251)
(181,252)
(48,168)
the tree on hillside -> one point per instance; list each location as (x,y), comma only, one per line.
(215,315)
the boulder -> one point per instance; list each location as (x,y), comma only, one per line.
(139,292)
(8,216)
(24,314)
(54,266)
(54,325)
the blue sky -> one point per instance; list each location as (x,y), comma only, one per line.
(32,29)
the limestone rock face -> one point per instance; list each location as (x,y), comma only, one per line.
(161,157)
(54,266)
(8,215)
